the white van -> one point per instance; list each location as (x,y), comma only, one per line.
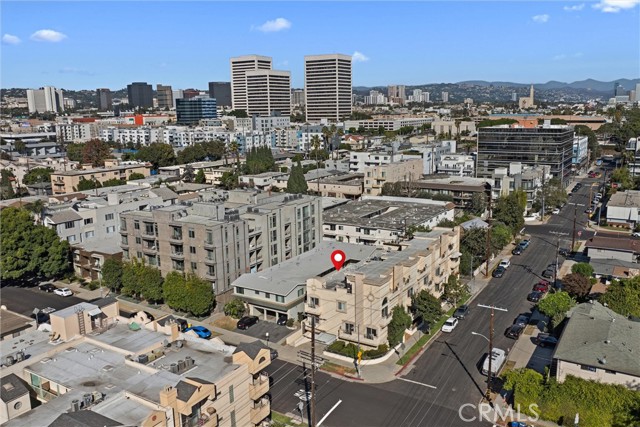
(498,357)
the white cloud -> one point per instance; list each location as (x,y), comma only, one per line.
(48,36)
(614,6)
(560,57)
(277,24)
(574,8)
(359,57)
(10,39)
(540,19)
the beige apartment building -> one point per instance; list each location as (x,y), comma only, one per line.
(249,232)
(355,303)
(67,182)
(131,373)
(343,186)
(402,171)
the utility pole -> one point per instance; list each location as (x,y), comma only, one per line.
(488,248)
(555,267)
(313,371)
(490,373)
(573,235)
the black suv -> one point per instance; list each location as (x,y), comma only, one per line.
(514,331)
(498,272)
(47,287)
(461,312)
(247,321)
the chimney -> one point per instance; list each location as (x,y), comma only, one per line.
(174,331)
(169,397)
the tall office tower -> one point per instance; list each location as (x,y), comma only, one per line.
(396,93)
(190,111)
(47,99)
(165,96)
(445,96)
(426,97)
(221,91)
(327,85)
(239,66)
(140,95)
(105,101)
(268,91)
(514,97)
(190,93)
(297,96)
(618,89)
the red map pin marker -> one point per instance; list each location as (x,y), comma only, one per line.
(338,258)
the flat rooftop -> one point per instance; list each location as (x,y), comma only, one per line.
(383,214)
(627,199)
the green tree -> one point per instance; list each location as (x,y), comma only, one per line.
(112,274)
(189,174)
(75,151)
(527,386)
(425,305)
(234,308)
(173,290)
(30,250)
(113,182)
(576,285)
(478,204)
(188,293)
(623,296)
(500,237)
(135,176)
(400,321)
(623,178)
(6,185)
(37,175)
(582,268)
(191,153)
(200,177)
(594,147)
(510,212)
(141,281)
(229,180)
(20,146)
(158,154)
(553,194)
(241,114)
(37,207)
(95,151)
(88,184)
(556,306)
(297,184)
(455,290)
(474,243)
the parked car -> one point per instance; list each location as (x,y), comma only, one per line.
(461,312)
(541,286)
(546,340)
(449,325)
(497,357)
(564,252)
(548,273)
(556,211)
(282,320)
(517,250)
(535,296)
(524,244)
(514,331)
(247,321)
(274,354)
(47,287)
(522,319)
(505,263)
(63,292)
(636,234)
(589,211)
(201,331)
(498,272)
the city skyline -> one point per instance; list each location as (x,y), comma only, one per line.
(521,42)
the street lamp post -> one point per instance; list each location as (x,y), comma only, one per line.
(267,335)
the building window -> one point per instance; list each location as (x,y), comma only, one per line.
(125,240)
(279,298)
(314,302)
(211,270)
(256,292)
(108,217)
(194,267)
(139,255)
(111,229)
(587,368)
(69,224)
(17,405)
(192,249)
(209,237)
(125,253)
(71,238)
(89,234)
(300,292)
(192,233)
(123,224)
(231,397)
(136,225)
(371,334)
(138,241)
(348,328)
(342,306)
(239,290)
(267,295)
(88,221)
(232,416)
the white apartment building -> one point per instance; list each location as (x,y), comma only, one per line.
(297,97)
(268,123)
(375,98)
(328,91)
(359,160)
(456,164)
(239,67)
(47,99)
(268,91)
(391,124)
(445,96)
(448,127)
(76,132)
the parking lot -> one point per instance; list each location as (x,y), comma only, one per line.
(24,300)
(276,332)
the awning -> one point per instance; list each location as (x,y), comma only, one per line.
(325,338)
(456,254)
(94,312)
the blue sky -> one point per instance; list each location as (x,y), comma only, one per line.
(85,45)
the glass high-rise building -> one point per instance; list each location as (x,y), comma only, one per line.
(191,110)
(140,95)
(550,145)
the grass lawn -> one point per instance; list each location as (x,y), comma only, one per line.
(338,369)
(280,420)
(226,322)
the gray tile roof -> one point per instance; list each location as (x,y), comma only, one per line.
(185,390)
(12,387)
(251,349)
(597,336)
(65,216)
(83,419)
(164,193)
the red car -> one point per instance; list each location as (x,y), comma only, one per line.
(542,286)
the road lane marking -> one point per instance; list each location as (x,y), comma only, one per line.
(330,411)
(419,383)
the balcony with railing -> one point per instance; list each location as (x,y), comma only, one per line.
(259,386)
(177,254)
(260,410)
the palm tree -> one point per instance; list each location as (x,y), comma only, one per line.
(37,207)
(235,149)
(315,143)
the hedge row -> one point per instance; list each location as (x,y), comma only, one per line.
(351,350)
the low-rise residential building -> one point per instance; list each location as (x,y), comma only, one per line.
(623,249)
(76,132)
(280,290)
(342,185)
(355,303)
(399,171)
(67,182)
(380,221)
(359,160)
(520,177)
(453,127)
(460,189)
(456,164)
(262,181)
(633,151)
(598,344)
(106,370)
(388,123)
(623,209)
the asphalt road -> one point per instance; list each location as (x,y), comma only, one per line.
(447,375)
(24,300)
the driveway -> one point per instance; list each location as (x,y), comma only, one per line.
(276,332)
